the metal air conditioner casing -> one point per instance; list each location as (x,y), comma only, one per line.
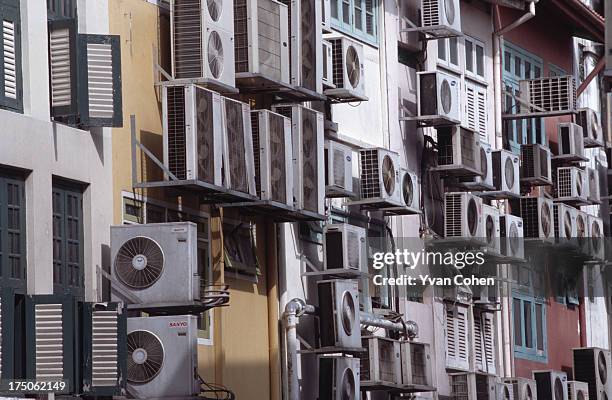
(442,17)
(163,357)
(536,165)
(193,133)
(439,98)
(202,40)
(344,247)
(592,131)
(410,188)
(506,172)
(505,391)
(572,185)
(339,378)
(570,141)
(577,390)
(416,363)
(273,156)
(463,216)
(379,172)
(555,95)
(565,221)
(483,181)
(551,383)
(523,388)
(583,232)
(511,232)
(339,314)
(597,240)
(593,366)
(458,152)
(537,214)
(473,386)
(347,69)
(380,364)
(157,263)
(492,234)
(338,169)
(594,196)
(327,76)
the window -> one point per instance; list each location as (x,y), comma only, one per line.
(61,9)
(68,239)
(12,231)
(10,49)
(240,250)
(357,18)
(553,70)
(448,53)
(474,58)
(529,317)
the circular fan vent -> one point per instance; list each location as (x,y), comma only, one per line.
(506,395)
(215,54)
(596,235)
(602,367)
(214,9)
(449,10)
(484,163)
(472,217)
(347,388)
(490,229)
(509,173)
(579,187)
(528,393)
(513,234)
(145,356)
(580,229)
(388,175)
(407,190)
(567,225)
(545,219)
(594,126)
(352,62)
(139,262)
(446,96)
(580,395)
(558,389)
(348,313)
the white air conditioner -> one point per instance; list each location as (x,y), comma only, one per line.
(416,361)
(473,386)
(505,391)
(327,75)
(506,172)
(463,217)
(597,239)
(511,231)
(551,384)
(577,390)
(347,69)
(308,156)
(344,247)
(535,165)
(457,337)
(570,141)
(193,132)
(339,314)
(582,232)
(410,191)
(162,357)
(379,177)
(458,152)
(380,364)
(157,263)
(439,98)
(490,220)
(203,41)
(555,95)
(565,221)
(537,214)
(594,366)
(338,169)
(339,378)
(523,388)
(273,156)
(261,39)
(326,15)
(238,151)
(441,17)
(572,185)
(594,196)
(588,119)
(483,181)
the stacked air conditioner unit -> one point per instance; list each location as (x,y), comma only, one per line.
(483,181)
(327,77)
(261,39)
(597,239)
(594,195)
(523,388)
(535,164)
(537,214)
(505,391)
(308,162)
(583,232)
(156,263)
(506,172)
(439,97)
(203,41)
(441,17)
(551,384)
(463,216)
(511,232)
(572,185)
(348,73)
(570,141)
(492,235)
(593,366)
(273,156)
(379,173)
(550,95)
(591,127)
(565,221)
(162,357)
(416,364)
(410,194)
(380,364)
(473,386)
(338,169)
(339,378)
(339,314)
(238,151)
(344,247)
(458,152)
(577,390)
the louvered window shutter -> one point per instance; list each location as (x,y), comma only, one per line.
(62,67)
(457,346)
(484,352)
(99,75)
(10,49)
(476,108)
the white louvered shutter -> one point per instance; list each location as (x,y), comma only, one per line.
(62,72)
(484,352)
(475,116)
(11,91)
(457,345)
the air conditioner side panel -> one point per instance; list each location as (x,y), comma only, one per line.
(320,164)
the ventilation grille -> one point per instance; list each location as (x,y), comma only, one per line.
(364,362)
(453,215)
(468,150)
(278,158)
(205,135)
(100,80)
(10,72)
(339,172)
(530,164)
(175,99)
(104,348)
(431,12)
(585,368)
(337,62)
(418,361)
(460,387)
(269,38)
(235,145)
(49,342)
(310,162)
(553,93)
(386,360)
(59,59)
(556,219)
(256,150)
(370,174)
(241,38)
(353,249)
(308,41)
(565,183)
(530,215)
(187,39)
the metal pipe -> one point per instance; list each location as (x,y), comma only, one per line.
(293,311)
(411,327)
(521,20)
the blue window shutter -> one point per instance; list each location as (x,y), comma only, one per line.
(11,92)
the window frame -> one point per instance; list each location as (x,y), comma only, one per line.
(520,349)
(8,280)
(481,79)
(446,63)
(350,28)
(11,10)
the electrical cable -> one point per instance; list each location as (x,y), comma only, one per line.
(216,390)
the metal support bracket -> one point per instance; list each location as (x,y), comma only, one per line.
(523,101)
(115,286)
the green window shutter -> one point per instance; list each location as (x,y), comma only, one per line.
(62,67)
(11,95)
(12,232)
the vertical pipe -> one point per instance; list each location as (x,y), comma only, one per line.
(273,304)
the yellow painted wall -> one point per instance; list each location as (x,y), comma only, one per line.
(239,357)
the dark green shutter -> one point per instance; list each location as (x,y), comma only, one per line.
(11,95)
(62,67)
(12,232)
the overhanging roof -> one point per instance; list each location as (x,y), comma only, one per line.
(574,16)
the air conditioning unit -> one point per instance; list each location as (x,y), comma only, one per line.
(154,372)
(410,191)
(273,156)
(463,216)
(537,214)
(439,98)
(326,15)
(261,36)
(570,142)
(473,386)
(379,177)
(551,384)
(596,234)
(536,168)
(577,390)
(593,366)
(193,133)
(203,41)
(594,195)
(523,388)
(347,69)
(555,95)
(380,364)
(338,169)
(582,231)
(339,378)
(588,119)
(506,172)
(441,17)
(416,364)
(308,156)
(483,181)
(458,152)
(157,263)
(328,66)
(511,232)
(490,220)
(572,185)
(565,221)
(339,314)
(504,391)
(344,247)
